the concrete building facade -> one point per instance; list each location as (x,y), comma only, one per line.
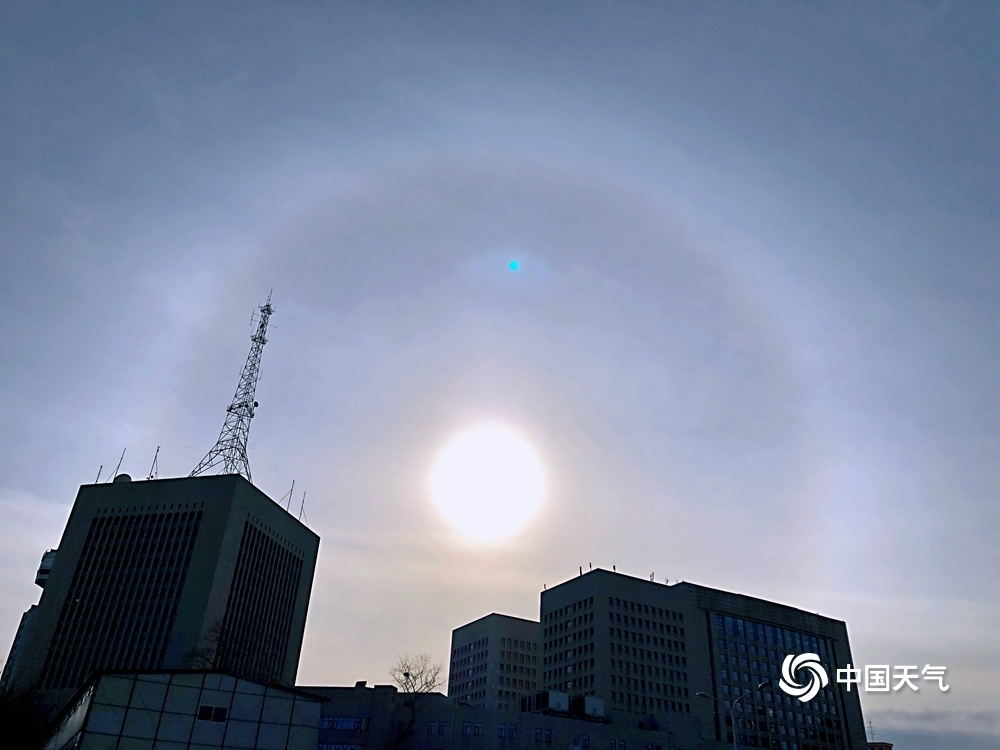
(204,572)
(494,661)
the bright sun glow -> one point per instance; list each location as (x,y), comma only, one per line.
(488,482)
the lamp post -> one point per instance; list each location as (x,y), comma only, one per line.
(732,709)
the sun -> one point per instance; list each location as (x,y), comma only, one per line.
(488,482)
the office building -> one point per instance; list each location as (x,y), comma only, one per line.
(201,572)
(649,649)
(494,661)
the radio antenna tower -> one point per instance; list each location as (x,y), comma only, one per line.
(230,450)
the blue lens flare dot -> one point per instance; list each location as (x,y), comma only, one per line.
(514,265)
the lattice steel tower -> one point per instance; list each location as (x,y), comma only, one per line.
(230,449)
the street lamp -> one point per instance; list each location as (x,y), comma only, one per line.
(732,709)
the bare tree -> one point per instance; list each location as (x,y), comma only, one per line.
(414,676)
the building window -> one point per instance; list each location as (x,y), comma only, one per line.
(512,731)
(478,730)
(441,727)
(538,735)
(430,728)
(212,713)
(502,730)
(350,723)
(548,735)
(466,727)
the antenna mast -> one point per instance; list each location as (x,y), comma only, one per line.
(230,449)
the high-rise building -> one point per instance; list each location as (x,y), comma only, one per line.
(201,572)
(679,655)
(494,661)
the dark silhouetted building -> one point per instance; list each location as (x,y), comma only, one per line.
(648,649)
(201,572)
(494,661)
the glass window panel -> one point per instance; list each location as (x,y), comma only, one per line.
(246,707)
(272,737)
(113,690)
(148,695)
(181,699)
(245,686)
(277,710)
(140,722)
(226,682)
(175,727)
(212,680)
(215,698)
(98,742)
(135,743)
(207,732)
(106,719)
(191,680)
(302,738)
(241,734)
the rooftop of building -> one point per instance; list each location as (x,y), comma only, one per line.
(686,587)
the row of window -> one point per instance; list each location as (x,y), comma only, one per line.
(764,742)
(519,644)
(645,655)
(566,655)
(570,624)
(350,723)
(579,635)
(664,614)
(647,686)
(568,610)
(772,635)
(766,715)
(761,729)
(514,656)
(629,620)
(673,674)
(474,646)
(633,701)
(653,640)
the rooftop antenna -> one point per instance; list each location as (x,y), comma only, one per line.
(871,732)
(99,470)
(230,449)
(115,472)
(289,496)
(651,576)
(302,508)
(154,470)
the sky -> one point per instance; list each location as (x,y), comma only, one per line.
(753,333)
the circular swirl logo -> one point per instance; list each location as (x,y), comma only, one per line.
(817,677)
